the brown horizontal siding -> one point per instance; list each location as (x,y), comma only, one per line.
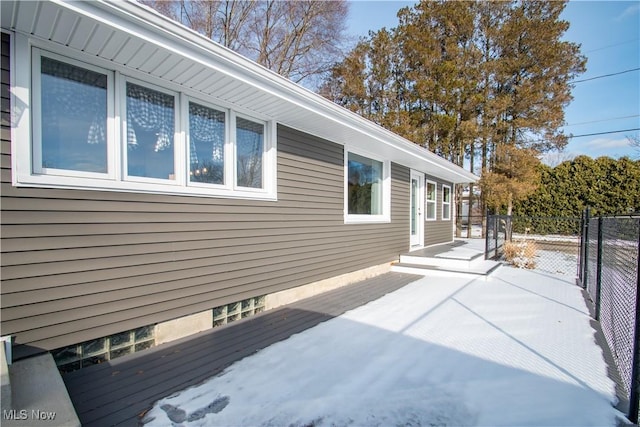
(5,112)
(79,264)
(439,231)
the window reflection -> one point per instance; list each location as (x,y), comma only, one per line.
(249,148)
(364,185)
(73,117)
(206,144)
(150,133)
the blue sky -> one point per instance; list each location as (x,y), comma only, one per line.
(609,35)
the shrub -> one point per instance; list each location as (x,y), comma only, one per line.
(520,254)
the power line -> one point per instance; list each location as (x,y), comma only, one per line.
(603,120)
(604,133)
(605,75)
(611,45)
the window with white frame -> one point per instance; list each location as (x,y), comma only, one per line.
(150,132)
(71,124)
(249,149)
(154,139)
(446,202)
(206,145)
(366,189)
(430,200)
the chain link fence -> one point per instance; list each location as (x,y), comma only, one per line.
(609,272)
(547,244)
(604,254)
(496,235)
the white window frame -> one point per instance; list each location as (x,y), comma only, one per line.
(228,145)
(434,201)
(36,142)
(446,218)
(24,103)
(385,217)
(178,141)
(265,150)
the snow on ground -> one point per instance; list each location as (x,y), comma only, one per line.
(517,349)
(556,263)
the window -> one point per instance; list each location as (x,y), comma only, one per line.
(206,145)
(431,201)
(71,130)
(446,202)
(100,350)
(150,131)
(250,147)
(94,125)
(367,189)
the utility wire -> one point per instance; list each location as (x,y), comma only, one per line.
(603,120)
(604,133)
(605,75)
(611,45)
(592,134)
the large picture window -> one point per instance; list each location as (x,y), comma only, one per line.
(366,192)
(364,185)
(95,125)
(431,201)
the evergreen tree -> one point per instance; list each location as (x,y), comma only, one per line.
(470,79)
(606,185)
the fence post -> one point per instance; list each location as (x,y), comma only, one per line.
(486,237)
(599,268)
(496,231)
(585,265)
(634,395)
(581,255)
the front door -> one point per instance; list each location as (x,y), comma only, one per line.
(416,219)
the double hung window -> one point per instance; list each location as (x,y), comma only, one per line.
(431,201)
(94,127)
(446,202)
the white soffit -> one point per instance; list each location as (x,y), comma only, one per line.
(136,37)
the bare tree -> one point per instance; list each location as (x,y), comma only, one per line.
(554,158)
(299,40)
(634,141)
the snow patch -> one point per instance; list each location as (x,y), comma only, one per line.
(517,349)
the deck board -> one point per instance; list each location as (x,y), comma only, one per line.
(119,391)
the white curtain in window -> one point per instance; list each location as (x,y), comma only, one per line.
(151,111)
(206,125)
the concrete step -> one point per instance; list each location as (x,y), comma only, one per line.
(480,269)
(38,395)
(454,261)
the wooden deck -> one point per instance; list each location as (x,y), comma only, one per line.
(119,392)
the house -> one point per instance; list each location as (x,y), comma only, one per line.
(155,184)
